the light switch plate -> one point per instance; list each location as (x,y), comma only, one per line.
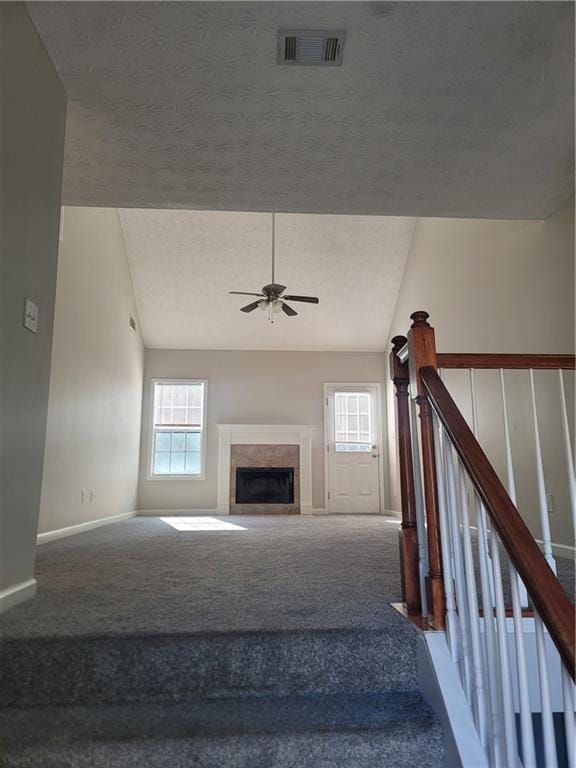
(31,315)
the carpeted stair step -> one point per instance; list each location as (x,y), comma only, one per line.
(70,670)
(328,731)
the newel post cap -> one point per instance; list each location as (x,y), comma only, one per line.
(420,319)
(398,342)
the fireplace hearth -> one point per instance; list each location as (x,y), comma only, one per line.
(264,485)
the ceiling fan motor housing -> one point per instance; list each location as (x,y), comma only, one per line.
(274,289)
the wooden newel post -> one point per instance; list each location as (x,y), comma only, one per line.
(422,353)
(409,533)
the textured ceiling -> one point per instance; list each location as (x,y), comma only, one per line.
(184,263)
(440,108)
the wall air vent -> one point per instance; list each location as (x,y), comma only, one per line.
(310,47)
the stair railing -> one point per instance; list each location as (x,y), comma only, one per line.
(453,572)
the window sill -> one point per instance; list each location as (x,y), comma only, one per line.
(171,478)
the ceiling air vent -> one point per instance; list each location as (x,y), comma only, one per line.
(310,47)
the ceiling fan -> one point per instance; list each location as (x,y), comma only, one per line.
(272,296)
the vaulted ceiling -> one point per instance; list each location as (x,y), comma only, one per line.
(183,264)
(439,108)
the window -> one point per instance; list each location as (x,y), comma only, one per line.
(178,428)
(352,416)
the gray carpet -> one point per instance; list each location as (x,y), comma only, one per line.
(270,647)
(142,576)
(363,731)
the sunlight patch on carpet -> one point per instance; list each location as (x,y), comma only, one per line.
(201,524)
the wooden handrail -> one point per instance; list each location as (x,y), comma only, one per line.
(544,589)
(506,361)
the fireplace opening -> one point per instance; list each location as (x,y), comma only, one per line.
(265,485)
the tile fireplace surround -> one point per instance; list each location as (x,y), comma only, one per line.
(264,445)
(268,456)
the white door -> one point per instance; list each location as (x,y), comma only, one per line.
(353,449)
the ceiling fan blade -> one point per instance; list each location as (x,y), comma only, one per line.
(307,299)
(288,310)
(243,293)
(251,307)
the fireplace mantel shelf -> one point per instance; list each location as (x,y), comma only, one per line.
(262,434)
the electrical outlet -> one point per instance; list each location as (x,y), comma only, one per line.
(550,503)
(30,319)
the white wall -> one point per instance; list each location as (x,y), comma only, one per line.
(93,433)
(499,286)
(33,115)
(249,388)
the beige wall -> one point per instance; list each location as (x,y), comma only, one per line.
(499,286)
(249,388)
(33,114)
(93,433)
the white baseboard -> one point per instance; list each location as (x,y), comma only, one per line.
(176,512)
(72,530)
(563,550)
(17,594)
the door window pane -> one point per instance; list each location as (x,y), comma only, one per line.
(352,419)
(353,447)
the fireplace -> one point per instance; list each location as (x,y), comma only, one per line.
(264,479)
(265,485)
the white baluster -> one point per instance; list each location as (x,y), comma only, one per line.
(526,724)
(459,574)
(509,716)
(451,616)
(490,635)
(519,599)
(420,519)
(480,709)
(569,706)
(475,429)
(550,755)
(510,480)
(487,593)
(568,450)
(542,502)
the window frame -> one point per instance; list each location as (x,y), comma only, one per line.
(180,476)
